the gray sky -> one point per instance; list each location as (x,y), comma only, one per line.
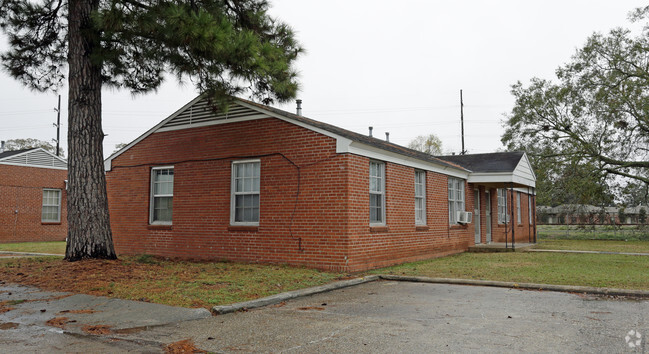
(395,65)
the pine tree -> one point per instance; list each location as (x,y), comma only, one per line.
(225,47)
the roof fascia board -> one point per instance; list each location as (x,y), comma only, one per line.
(109,160)
(34,166)
(379,154)
(500,177)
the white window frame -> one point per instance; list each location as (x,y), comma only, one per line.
(380,193)
(519,217)
(502,205)
(234,193)
(153,196)
(456,198)
(420,213)
(57,205)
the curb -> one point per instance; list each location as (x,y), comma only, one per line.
(274,299)
(525,286)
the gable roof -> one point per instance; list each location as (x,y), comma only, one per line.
(497,167)
(491,162)
(6,154)
(198,113)
(35,157)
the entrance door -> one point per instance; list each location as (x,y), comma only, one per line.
(488,215)
(476,215)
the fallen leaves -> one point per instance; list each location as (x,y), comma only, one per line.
(96,329)
(58,322)
(181,347)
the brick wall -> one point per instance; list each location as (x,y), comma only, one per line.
(21,200)
(401,240)
(326,226)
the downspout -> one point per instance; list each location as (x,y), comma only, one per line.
(506,223)
(529,212)
(534,206)
(511,189)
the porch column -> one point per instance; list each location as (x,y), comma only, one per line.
(511,189)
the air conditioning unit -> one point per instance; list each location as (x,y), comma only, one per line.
(464,217)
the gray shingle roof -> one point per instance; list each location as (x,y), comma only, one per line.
(490,162)
(379,143)
(13,152)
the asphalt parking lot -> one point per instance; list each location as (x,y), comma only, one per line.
(386,317)
(390,317)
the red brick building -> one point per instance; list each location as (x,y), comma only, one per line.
(32,196)
(257,184)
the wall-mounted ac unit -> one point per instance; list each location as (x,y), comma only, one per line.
(464,217)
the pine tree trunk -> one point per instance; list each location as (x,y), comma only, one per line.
(89,234)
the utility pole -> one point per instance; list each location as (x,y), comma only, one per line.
(58,126)
(462,122)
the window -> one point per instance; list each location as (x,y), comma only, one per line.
(162,193)
(455,198)
(245,193)
(518,207)
(420,197)
(502,205)
(377,193)
(51,211)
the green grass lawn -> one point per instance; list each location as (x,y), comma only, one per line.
(599,270)
(593,232)
(594,245)
(36,247)
(169,282)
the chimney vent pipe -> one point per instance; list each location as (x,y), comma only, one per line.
(2,146)
(371,131)
(299,107)
(387,136)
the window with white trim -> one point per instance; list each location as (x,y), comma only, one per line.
(502,205)
(377,193)
(420,197)
(162,194)
(51,211)
(455,198)
(245,193)
(518,208)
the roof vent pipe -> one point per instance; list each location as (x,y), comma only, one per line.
(371,131)
(2,146)
(387,136)
(299,107)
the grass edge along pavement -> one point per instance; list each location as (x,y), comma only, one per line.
(595,271)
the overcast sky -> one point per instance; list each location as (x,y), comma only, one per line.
(395,65)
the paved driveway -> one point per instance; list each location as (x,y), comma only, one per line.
(390,317)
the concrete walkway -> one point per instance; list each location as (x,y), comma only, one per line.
(43,321)
(12,254)
(587,252)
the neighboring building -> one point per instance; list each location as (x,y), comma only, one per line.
(32,196)
(258,184)
(585,214)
